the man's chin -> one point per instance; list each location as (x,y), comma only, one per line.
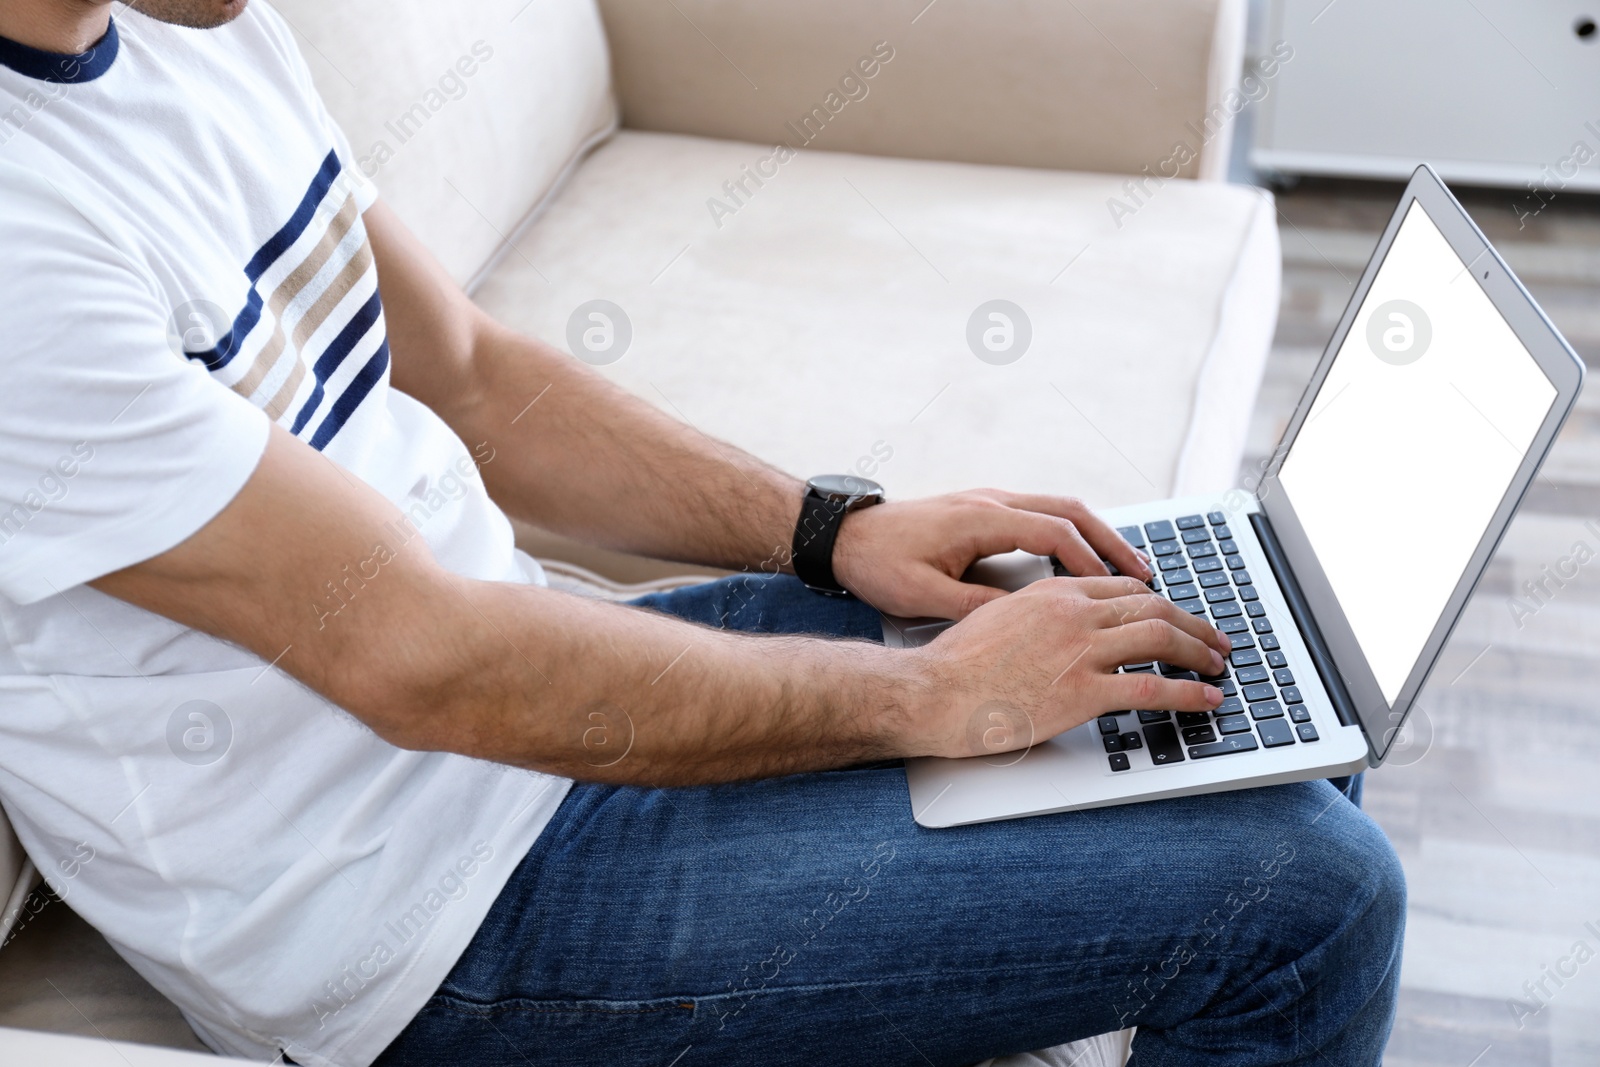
(196,14)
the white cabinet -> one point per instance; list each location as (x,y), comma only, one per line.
(1493,92)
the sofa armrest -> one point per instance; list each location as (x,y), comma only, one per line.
(1097,85)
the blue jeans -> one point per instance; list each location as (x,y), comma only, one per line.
(808,921)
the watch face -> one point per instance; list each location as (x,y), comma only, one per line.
(845,485)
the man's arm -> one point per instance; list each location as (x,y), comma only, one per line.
(591,461)
(532,677)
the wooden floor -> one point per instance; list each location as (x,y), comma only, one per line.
(1496,808)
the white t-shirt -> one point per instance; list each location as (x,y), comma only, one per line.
(182,259)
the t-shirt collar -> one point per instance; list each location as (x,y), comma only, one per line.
(59,66)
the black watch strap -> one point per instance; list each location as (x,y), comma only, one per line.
(814,535)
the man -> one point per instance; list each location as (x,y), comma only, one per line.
(359,789)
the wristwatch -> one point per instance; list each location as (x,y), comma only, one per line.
(829,498)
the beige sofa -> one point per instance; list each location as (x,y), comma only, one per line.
(812,305)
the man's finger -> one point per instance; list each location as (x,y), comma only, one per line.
(1005,529)
(1158,639)
(1098,533)
(943,597)
(1150,692)
(1152,605)
(1110,587)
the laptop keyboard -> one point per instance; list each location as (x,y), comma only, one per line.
(1199,568)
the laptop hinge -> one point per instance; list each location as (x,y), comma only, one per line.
(1343,706)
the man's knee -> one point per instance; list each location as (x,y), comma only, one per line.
(1339,885)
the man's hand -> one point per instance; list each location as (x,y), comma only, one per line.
(907,558)
(1044,660)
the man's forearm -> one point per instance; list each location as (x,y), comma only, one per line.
(579,456)
(601,692)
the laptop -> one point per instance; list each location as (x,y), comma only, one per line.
(1340,578)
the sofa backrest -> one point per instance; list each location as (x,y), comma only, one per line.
(465,114)
(1098,85)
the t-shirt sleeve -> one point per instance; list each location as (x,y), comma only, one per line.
(113,447)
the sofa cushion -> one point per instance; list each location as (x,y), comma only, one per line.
(1103,85)
(465,114)
(822,321)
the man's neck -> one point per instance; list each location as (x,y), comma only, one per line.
(66,26)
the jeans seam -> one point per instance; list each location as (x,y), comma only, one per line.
(468,1005)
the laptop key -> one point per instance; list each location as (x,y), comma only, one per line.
(1216,518)
(1199,735)
(1193,718)
(1190,522)
(1267,709)
(1182,592)
(1194,537)
(1108,724)
(1147,717)
(1229,706)
(1226,610)
(1263,691)
(1229,548)
(1208,581)
(1206,566)
(1118,761)
(1226,685)
(1138,666)
(1201,550)
(1131,740)
(1235,743)
(1241,640)
(1193,607)
(1283,676)
(1178,576)
(1242,578)
(1247,657)
(1235,563)
(1160,531)
(1291,695)
(1306,731)
(1262,626)
(1162,740)
(1269,642)
(1299,713)
(1133,535)
(1219,594)
(1171,563)
(1277,659)
(1222,532)
(1233,724)
(1248,592)
(1255,610)
(1275,733)
(1112,742)
(1233,626)
(1249,676)
(1167,548)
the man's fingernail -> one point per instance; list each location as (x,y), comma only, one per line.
(1213,695)
(1216,662)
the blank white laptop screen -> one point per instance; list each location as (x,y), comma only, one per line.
(1410,445)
